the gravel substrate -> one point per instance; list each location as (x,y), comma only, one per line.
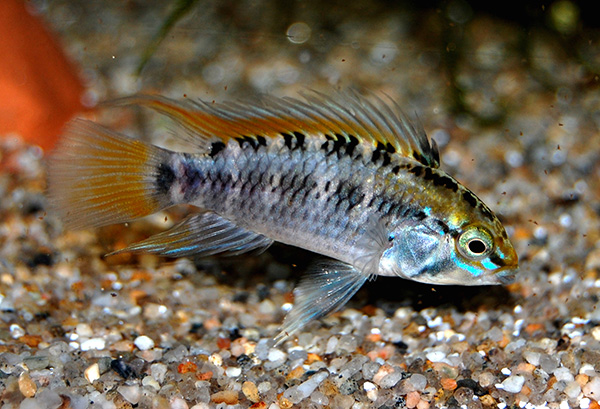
(515,108)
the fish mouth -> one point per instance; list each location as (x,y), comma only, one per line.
(507,275)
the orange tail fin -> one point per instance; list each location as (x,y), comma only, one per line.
(98,177)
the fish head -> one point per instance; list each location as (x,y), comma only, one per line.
(476,253)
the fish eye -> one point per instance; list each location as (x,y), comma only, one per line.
(475,243)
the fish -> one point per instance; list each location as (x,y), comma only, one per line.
(349,177)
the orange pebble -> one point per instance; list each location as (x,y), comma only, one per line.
(312,357)
(582,379)
(412,399)
(531,328)
(228,397)
(295,373)
(374,337)
(223,343)
(204,376)
(448,384)
(594,405)
(186,367)
(141,275)
(259,405)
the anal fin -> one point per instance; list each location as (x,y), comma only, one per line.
(202,234)
(326,289)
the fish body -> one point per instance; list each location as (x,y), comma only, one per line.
(353,180)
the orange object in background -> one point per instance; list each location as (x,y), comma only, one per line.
(39,88)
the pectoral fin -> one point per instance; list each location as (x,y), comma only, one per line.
(202,234)
(327,288)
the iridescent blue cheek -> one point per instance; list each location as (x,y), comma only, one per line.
(489,265)
(470,268)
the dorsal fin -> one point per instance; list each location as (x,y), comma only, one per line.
(374,121)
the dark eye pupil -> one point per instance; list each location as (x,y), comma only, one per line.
(477,246)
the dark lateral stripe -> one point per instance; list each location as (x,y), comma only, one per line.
(165,178)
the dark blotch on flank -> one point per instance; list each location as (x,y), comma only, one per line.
(215,148)
(352,144)
(416,170)
(288,138)
(469,198)
(164,178)
(447,182)
(261,140)
(241,140)
(299,139)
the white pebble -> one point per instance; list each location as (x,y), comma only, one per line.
(131,394)
(178,403)
(276,355)
(84,330)
(16,331)
(266,307)
(563,374)
(331,345)
(436,356)
(596,333)
(371,390)
(307,387)
(93,343)
(151,382)
(143,343)
(264,387)
(513,384)
(587,369)
(233,371)
(592,388)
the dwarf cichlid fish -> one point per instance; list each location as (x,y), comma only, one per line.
(350,178)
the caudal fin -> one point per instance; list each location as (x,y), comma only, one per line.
(98,177)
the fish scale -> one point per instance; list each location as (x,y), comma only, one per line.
(349,178)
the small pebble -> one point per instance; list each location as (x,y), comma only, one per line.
(233,371)
(319,398)
(371,390)
(572,390)
(178,403)
(592,388)
(418,382)
(131,394)
(228,397)
(276,355)
(412,399)
(16,331)
(93,344)
(27,386)
(448,384)
(158,371)
(92,373)
(513,384)
(151,382)
(250,390)
(144,343)
(264,387)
